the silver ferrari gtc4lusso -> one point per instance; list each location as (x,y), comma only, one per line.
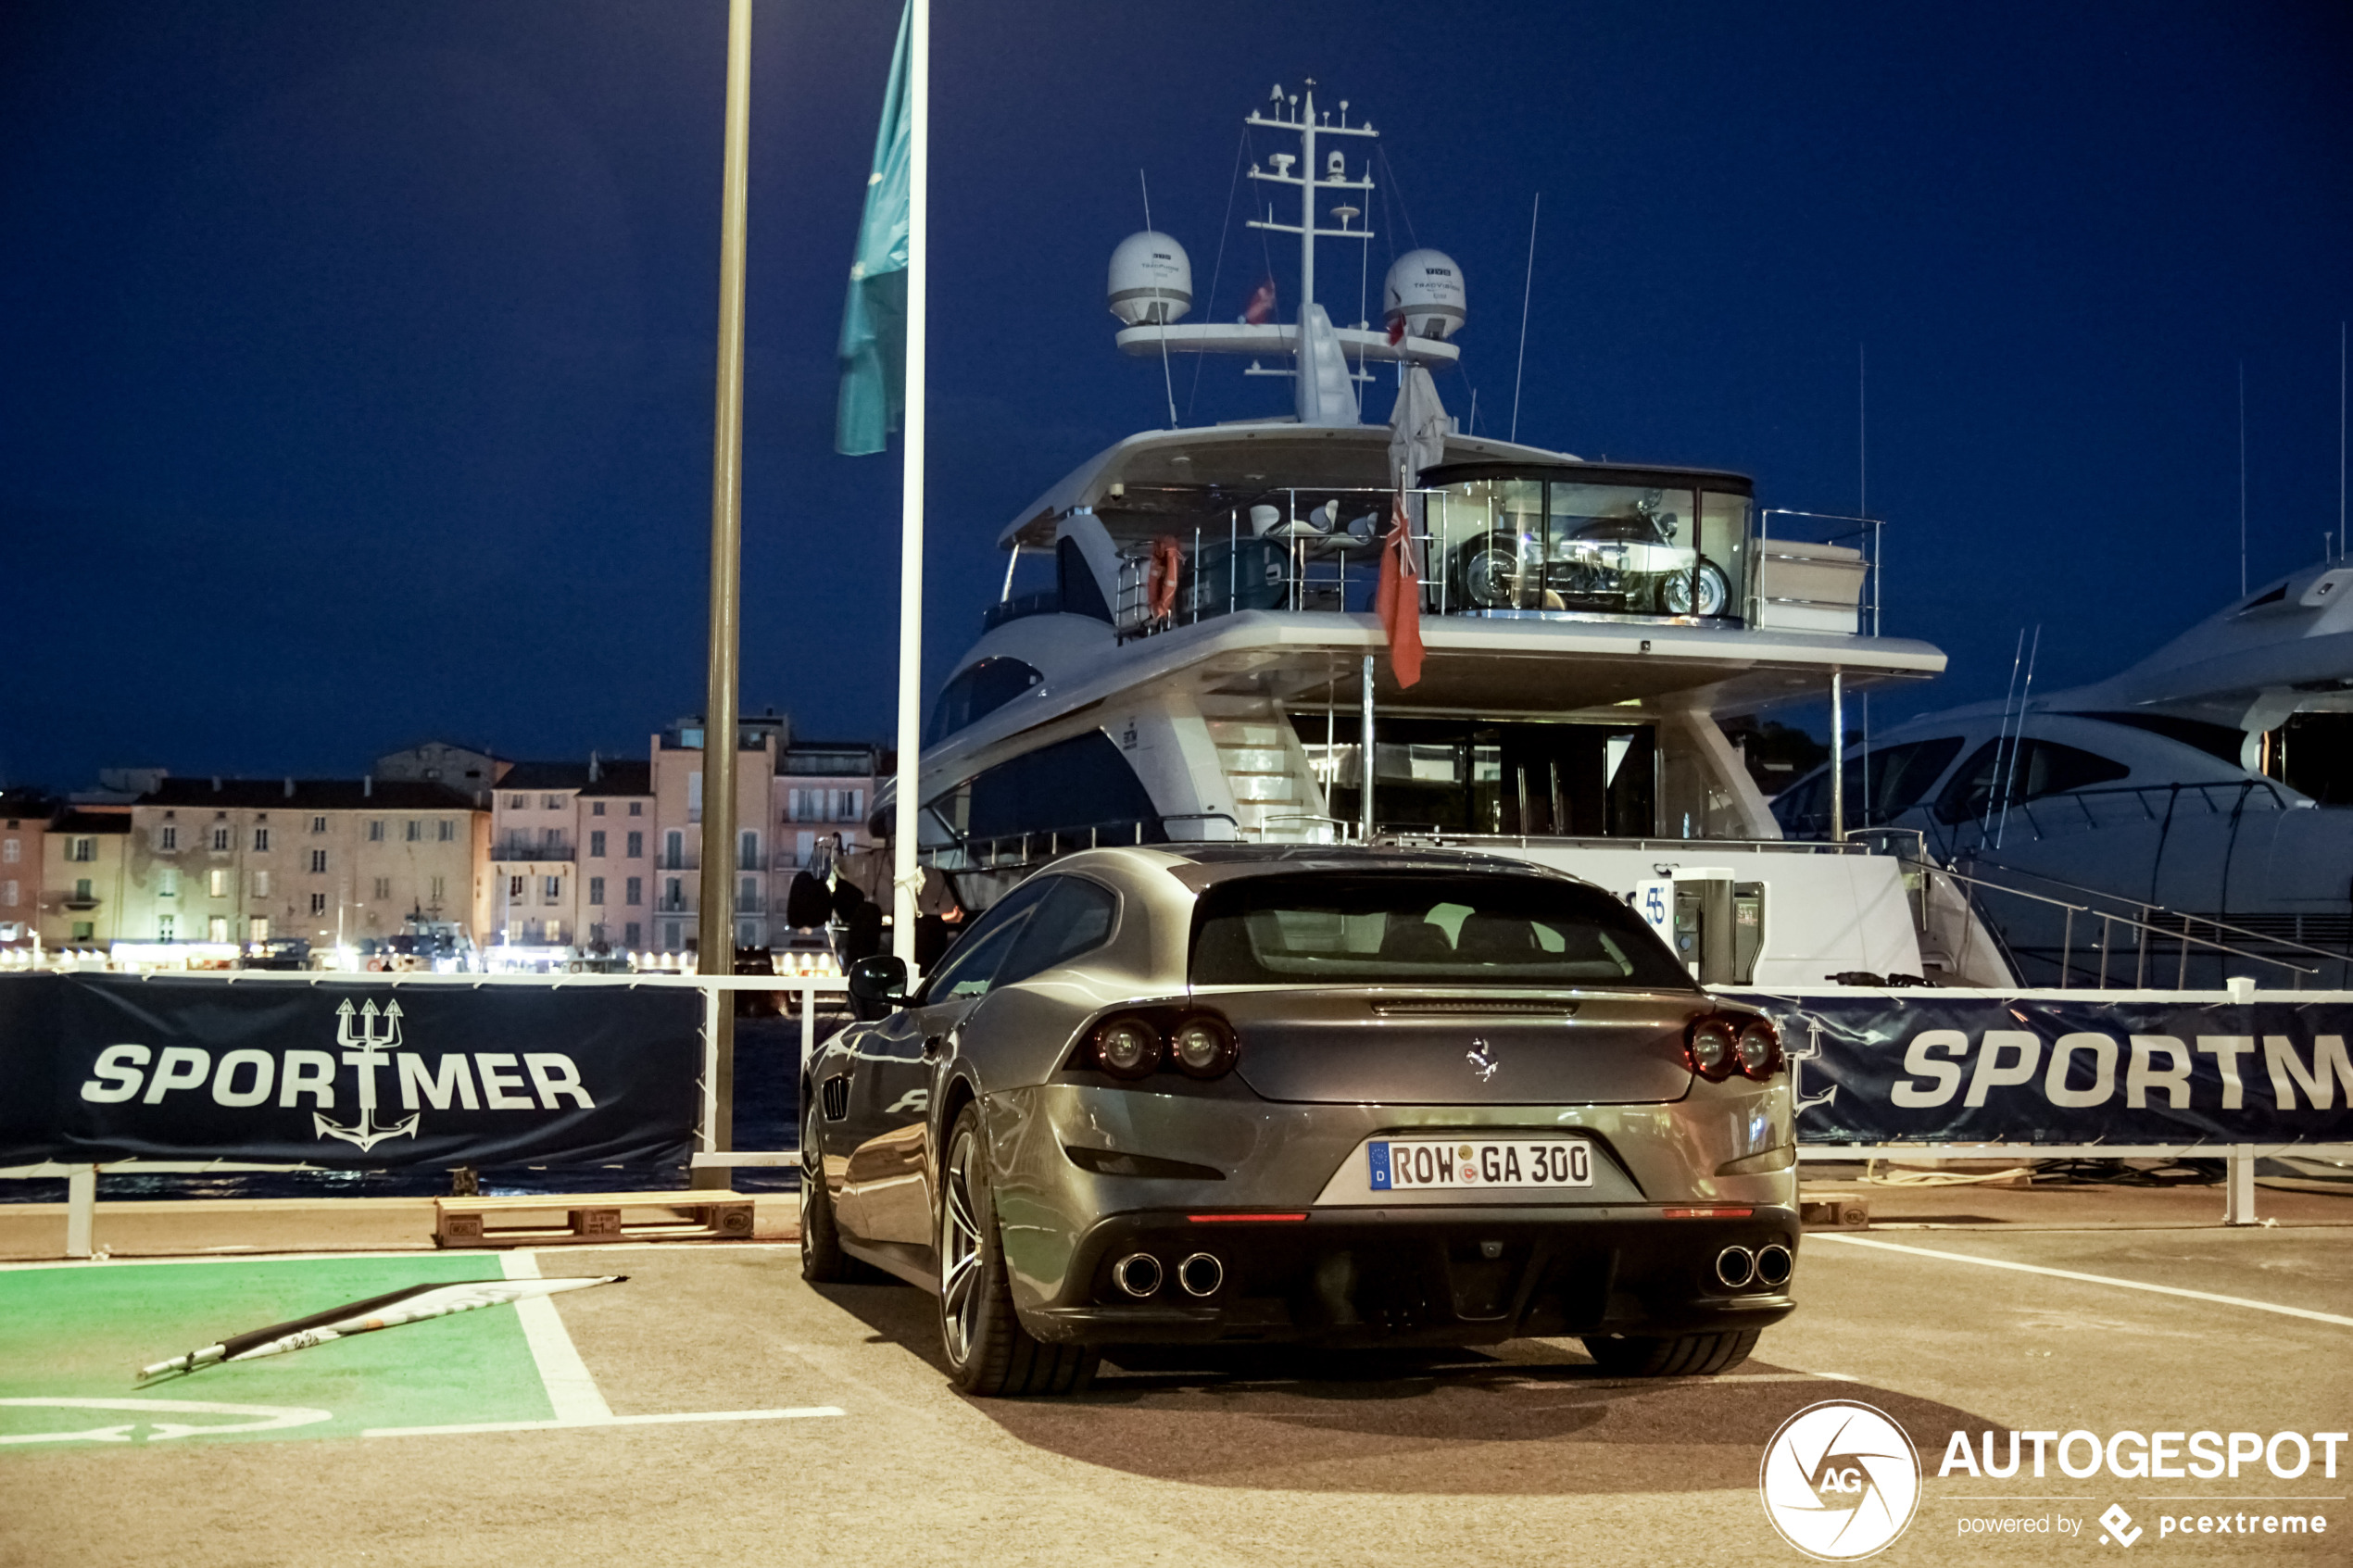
(1218,1094)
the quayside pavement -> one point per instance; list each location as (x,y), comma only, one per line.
(713,1408)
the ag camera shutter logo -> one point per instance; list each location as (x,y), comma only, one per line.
(1840,1481)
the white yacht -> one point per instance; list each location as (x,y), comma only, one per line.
(2207,788)
(1205,663)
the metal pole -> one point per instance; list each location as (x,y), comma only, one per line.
(715,936)
(1838,755)
(905,878)
(1365,758)
(1306,219)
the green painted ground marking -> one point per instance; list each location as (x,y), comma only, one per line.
(83,1333)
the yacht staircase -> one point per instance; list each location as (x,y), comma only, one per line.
(1276,800)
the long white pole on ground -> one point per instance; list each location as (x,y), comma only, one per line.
(714,920)
(904,877)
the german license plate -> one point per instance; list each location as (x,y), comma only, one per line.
(1414,1164)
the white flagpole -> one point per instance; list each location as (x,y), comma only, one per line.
(904,877)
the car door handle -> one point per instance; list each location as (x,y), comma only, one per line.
(931,1047)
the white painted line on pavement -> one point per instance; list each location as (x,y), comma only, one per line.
(2089,1279)
(608,1421)
(571,1391)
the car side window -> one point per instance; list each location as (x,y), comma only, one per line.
(1076,916)
(971,966)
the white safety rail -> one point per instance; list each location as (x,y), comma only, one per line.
(82,1180)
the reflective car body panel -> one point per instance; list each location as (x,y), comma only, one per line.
(1263,1167)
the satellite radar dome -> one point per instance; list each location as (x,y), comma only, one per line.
(1152,282)
(1424,287)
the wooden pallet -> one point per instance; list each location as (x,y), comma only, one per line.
(601,1217)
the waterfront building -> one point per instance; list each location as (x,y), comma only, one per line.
(24,821)
(572,855)
(338,862)
(83,859)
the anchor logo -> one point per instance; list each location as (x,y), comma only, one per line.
(1797,1060)
(367,1051)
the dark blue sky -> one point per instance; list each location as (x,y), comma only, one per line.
(356,360)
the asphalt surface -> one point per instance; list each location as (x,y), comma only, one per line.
(1519,1455)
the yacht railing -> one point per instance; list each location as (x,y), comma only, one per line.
(2144,936)
(1821,572)
(1015,851)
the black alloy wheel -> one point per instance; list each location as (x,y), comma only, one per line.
(988,1352)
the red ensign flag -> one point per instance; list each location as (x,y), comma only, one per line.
(1399,599)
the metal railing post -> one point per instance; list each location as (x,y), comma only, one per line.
(81,1210)
(2238,1190)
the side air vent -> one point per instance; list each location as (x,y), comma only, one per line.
(834,1096)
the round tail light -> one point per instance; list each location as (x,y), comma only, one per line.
(1712,1047)
(1127,1048)
(1759,1048)
(1203,1047)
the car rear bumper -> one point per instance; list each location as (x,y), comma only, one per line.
(1453,1275)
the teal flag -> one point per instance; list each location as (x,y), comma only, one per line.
(874,320)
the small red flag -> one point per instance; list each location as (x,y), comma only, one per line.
(1396,330)
(1261,309)
(1399,599)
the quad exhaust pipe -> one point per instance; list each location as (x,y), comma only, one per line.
(1201,1274)
(1770,1265)
(1138,1274)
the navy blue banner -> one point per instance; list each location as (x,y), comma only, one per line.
(2061,1069)
(345,1074)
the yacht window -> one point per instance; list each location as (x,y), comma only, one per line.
(1075,581)
(1881,787)
(1081,782)
(2312,753)
(2035,769)
(1423,928)
(975,692)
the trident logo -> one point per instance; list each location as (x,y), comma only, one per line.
(366,1050)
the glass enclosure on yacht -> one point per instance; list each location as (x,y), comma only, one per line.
(1497,540)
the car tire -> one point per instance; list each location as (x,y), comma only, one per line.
(988,1352)
(1685,1355)
(822,1259)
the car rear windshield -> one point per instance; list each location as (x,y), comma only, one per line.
(1423,928)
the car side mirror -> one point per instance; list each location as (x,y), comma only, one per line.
(877,984)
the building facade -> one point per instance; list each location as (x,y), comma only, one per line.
(24,824)
(340,863)
(572,856)
(84,877)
